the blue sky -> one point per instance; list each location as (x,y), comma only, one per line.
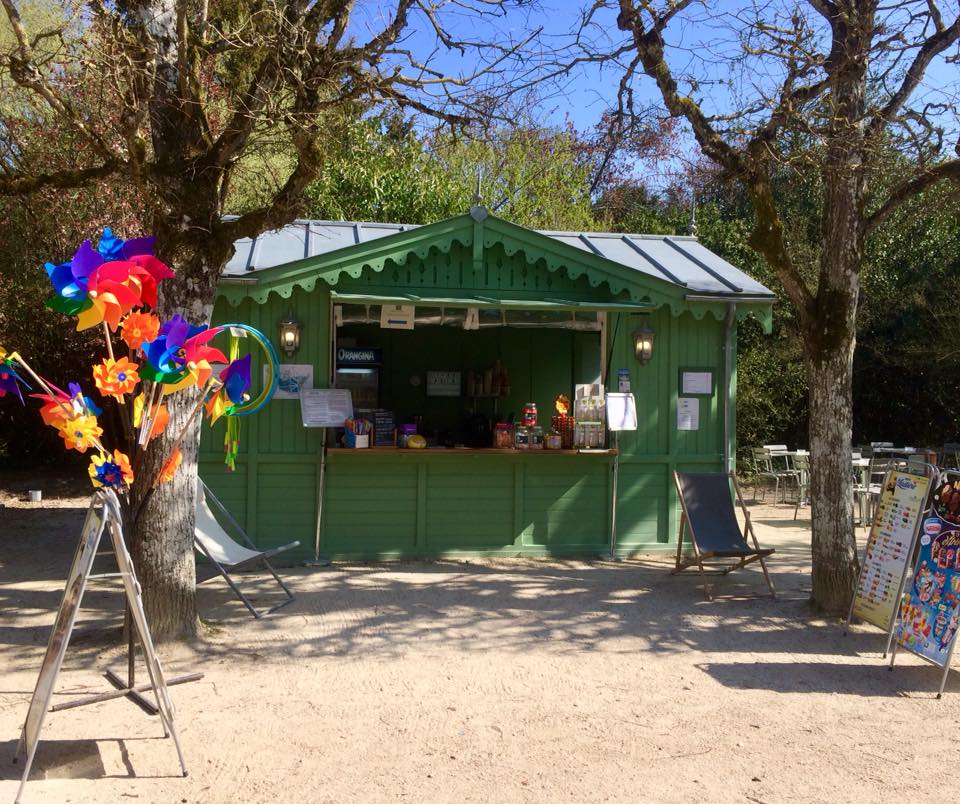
(589,91)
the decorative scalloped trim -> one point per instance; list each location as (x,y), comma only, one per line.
(235,295)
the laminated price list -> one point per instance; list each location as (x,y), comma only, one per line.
(889,546)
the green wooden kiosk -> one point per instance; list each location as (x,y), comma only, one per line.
(551,310)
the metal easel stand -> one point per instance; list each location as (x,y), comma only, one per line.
(129,688)
(931,472)
(109,516)
(946,664)
(317,561)
(613,503)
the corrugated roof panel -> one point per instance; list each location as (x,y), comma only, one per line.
(687,271)
(700,252)
(680,260)
(571,240)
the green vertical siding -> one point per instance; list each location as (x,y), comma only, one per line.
(415,504)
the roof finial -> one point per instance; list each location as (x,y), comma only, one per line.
(692,226)
(478,196)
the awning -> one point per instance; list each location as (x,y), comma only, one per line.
(486,301)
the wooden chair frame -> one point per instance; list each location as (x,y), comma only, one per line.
(698,557)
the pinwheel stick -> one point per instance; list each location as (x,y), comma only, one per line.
(42,383)
(146,417)
(106,335)
(212,384)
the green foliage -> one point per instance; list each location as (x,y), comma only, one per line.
(384,171)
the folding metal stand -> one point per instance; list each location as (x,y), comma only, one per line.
(930,472)
(108,516)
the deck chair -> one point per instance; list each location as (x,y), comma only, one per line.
(708,514)
(224,554)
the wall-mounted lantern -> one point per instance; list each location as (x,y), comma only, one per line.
(289,328)
(643,341)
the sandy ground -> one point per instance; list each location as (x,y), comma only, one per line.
(479,681)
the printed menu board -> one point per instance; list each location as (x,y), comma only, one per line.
(888,548)
(931,607)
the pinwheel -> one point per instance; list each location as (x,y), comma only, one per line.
(10,381)
(104,284)
(170,467)
(116,377)
(111,471)
(198,357)
(59,405)
(79,432)
(236,381)
(138,328)
(166,363)
(158,417)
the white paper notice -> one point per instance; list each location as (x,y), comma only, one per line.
(621,412)
(325,407)
(696,382)
(397,316)
(688,413)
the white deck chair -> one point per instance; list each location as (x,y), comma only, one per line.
(213,542)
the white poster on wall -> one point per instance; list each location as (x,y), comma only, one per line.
(397,316)
(294,377)
(688,413)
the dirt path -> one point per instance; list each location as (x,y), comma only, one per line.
(482,681)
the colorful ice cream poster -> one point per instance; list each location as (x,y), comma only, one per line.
(889,546)
(931,608)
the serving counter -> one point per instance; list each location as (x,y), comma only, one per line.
(400,503)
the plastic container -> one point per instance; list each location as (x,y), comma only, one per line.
(521,437)
(404,432)
(536,438)
(503,437)
(528,417)
(553,440)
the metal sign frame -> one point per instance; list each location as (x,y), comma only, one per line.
(953,641)
(103,514)
(930,472)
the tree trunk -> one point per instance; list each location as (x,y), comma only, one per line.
(834,549)
(162,534)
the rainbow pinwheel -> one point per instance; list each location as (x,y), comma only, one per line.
(105,284)
(165,361)
(180,357)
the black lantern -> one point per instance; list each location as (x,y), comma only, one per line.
(643,341)
(289,328)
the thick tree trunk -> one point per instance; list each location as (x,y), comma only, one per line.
(830,333)
(834,550)
(162,535)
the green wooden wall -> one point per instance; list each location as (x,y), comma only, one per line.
(409,504)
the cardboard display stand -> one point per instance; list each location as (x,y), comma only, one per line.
(103,514)
(930,610)
(893,534)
